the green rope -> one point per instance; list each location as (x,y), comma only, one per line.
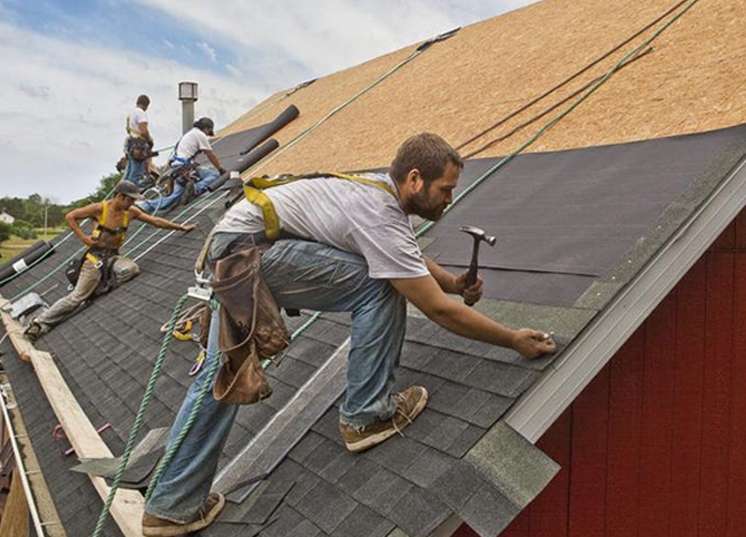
(140,414)
(421,230)
(197,406)
(593,88)
(176,444)
(78,252)
(44,256)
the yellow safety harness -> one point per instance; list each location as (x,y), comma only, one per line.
(101,225)
(254,187)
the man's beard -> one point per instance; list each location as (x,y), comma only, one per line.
(421,206)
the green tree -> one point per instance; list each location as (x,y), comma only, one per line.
(4,231)
(106,185)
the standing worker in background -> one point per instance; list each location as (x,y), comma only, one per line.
(101,263)
(139,143)
(182,164)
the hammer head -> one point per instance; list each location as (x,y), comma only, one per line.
(479,234)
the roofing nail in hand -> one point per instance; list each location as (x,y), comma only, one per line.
(478,235)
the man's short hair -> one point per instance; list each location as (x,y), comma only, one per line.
(428,153)
(143,100)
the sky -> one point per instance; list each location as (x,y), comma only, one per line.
(73,68)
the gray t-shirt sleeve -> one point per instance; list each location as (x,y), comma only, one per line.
(390,249)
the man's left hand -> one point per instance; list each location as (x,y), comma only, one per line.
(471,294)
(186,228)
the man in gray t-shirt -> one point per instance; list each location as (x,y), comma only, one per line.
(352,249)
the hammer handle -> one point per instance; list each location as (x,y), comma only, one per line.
(471,275)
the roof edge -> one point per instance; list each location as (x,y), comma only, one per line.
(543,403)
(22,472)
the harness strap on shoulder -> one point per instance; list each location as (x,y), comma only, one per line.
(101,223)
(104,212)
(365,181)
(261,200)
(101,220)
(253,191)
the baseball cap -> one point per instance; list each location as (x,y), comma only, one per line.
(129,189)
(206,124)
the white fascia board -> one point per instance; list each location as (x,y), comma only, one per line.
(543,403)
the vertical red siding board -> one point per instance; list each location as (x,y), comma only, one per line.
(587,510)
(519,527)
(716,401)
(727,239)
(737,464)
(687,404)
(655,423)
(465,531)
(548,512)
(625,400)
(741,230)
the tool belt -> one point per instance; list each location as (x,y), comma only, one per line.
(139,149)
(251,327)
(176,175)
(103,260)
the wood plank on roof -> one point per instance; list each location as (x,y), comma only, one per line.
(128,506)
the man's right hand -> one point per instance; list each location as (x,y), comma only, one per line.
(89,241)
(532,343)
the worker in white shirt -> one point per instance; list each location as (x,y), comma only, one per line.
(194,142)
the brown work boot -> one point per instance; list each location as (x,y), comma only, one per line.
(153,526)
(34,331)
(409,404)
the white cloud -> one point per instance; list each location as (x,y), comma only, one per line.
(62,126)
(208,51)
(286,42)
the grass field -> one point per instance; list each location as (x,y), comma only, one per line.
(15,245)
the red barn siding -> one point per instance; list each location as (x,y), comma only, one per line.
(655,446)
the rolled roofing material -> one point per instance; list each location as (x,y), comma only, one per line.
(257,154)
(267,130)
(233,148)
(23,260)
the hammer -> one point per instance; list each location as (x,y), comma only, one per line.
(478,235)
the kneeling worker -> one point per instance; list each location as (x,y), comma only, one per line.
(354,250)
(102,259)
(194,142)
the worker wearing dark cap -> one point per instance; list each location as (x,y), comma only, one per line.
(193,143)
(101,267)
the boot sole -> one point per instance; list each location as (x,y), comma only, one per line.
(185,529)
(375,439)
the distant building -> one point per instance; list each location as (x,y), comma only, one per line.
(5,218)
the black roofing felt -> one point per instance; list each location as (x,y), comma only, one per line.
(232,149)
(600,211)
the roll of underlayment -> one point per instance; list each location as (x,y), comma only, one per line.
(22,261)
(257,154)
(285,117)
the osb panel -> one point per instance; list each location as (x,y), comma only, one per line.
(693,81)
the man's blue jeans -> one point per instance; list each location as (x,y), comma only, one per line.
(307,275)
(207,175)
(135,171)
